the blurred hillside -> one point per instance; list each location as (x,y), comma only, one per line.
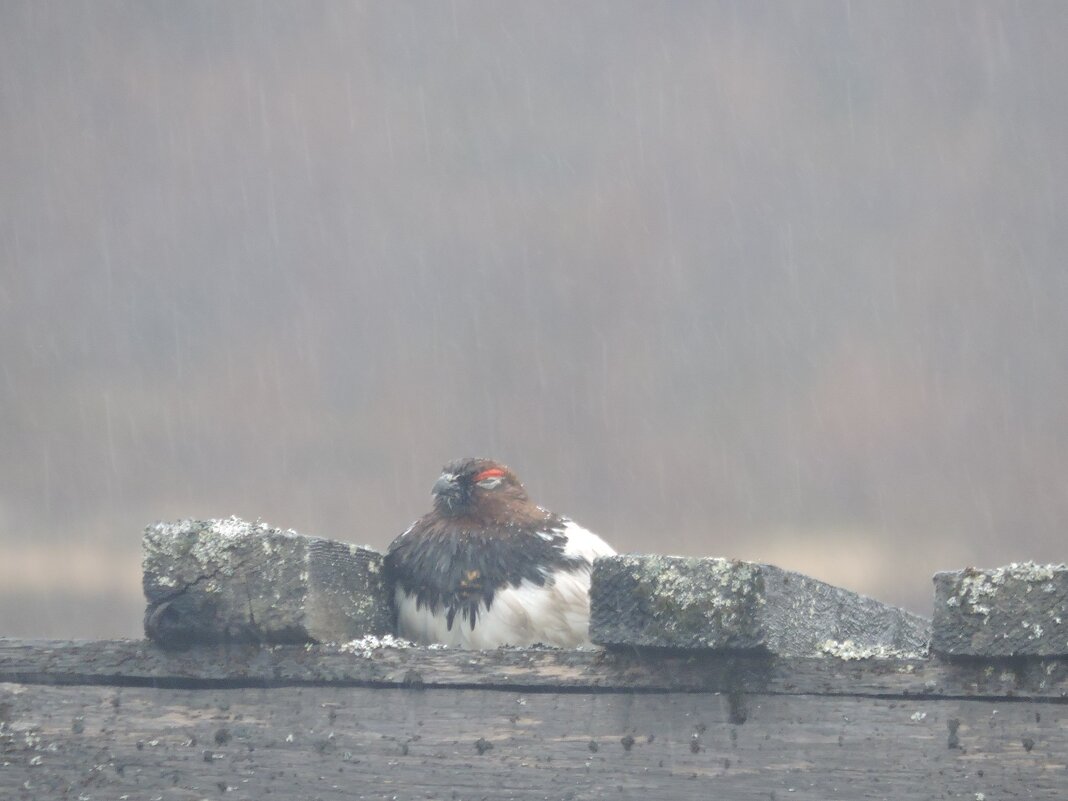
(782,282)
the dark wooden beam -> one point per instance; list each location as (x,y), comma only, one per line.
(115,719)
(140,663)
(335,742)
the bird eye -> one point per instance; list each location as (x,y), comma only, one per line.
(488,479)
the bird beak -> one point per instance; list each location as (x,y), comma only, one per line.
(445,487)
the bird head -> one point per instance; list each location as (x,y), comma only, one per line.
(478,488)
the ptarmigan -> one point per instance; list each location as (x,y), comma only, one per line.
(487,567)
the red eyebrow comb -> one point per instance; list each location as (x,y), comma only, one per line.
(493,472)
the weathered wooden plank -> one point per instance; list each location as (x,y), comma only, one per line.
(138,662)
(358,742)
(231,580)
(1016,610)
(708,603)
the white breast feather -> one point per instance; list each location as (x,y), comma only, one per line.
(557,613)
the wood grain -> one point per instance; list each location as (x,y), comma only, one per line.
(140,663)
(125,719)
(378,743)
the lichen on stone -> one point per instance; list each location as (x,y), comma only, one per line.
(849,651)
(367,645)
(977,587)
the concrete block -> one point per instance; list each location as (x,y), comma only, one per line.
(678,602)
(234,581)
(1017,610)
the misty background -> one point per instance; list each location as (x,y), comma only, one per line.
(776,281)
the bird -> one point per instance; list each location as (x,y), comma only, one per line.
(487,567)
